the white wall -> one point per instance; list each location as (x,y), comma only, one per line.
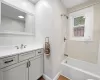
(7,40)
(49,23)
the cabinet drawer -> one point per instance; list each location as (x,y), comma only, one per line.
(39,52)
(7,61)
(26,55)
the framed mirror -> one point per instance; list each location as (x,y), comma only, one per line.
(16,21)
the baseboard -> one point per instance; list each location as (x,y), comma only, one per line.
(66,77)
(57,76)
(48,78)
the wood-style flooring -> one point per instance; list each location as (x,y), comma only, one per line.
(60,78)
(41,78)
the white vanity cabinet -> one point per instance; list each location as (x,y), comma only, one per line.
(35,71)
(17,71)
(29,66)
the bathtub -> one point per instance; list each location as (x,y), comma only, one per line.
(80,70)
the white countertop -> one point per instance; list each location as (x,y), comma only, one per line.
(8,51)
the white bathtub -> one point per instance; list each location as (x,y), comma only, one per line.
(80,70)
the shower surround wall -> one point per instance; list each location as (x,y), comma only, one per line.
(87,51)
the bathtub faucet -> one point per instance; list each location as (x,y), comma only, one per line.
(66,55)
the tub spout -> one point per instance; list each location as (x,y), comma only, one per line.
(66,55)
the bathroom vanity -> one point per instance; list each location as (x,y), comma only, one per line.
(27,65)
(21,63)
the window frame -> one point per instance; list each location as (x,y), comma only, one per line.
(88,13)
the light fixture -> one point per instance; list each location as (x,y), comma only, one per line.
(34,1)
(21,17)
(90,79)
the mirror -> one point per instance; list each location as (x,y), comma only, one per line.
(14,20)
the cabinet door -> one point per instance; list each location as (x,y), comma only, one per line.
(15,72)
(36,68)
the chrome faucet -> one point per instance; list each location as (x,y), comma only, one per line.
(23,46)
(17,47)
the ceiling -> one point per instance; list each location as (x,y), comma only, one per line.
(71,3)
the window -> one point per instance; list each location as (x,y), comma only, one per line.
(81,25)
